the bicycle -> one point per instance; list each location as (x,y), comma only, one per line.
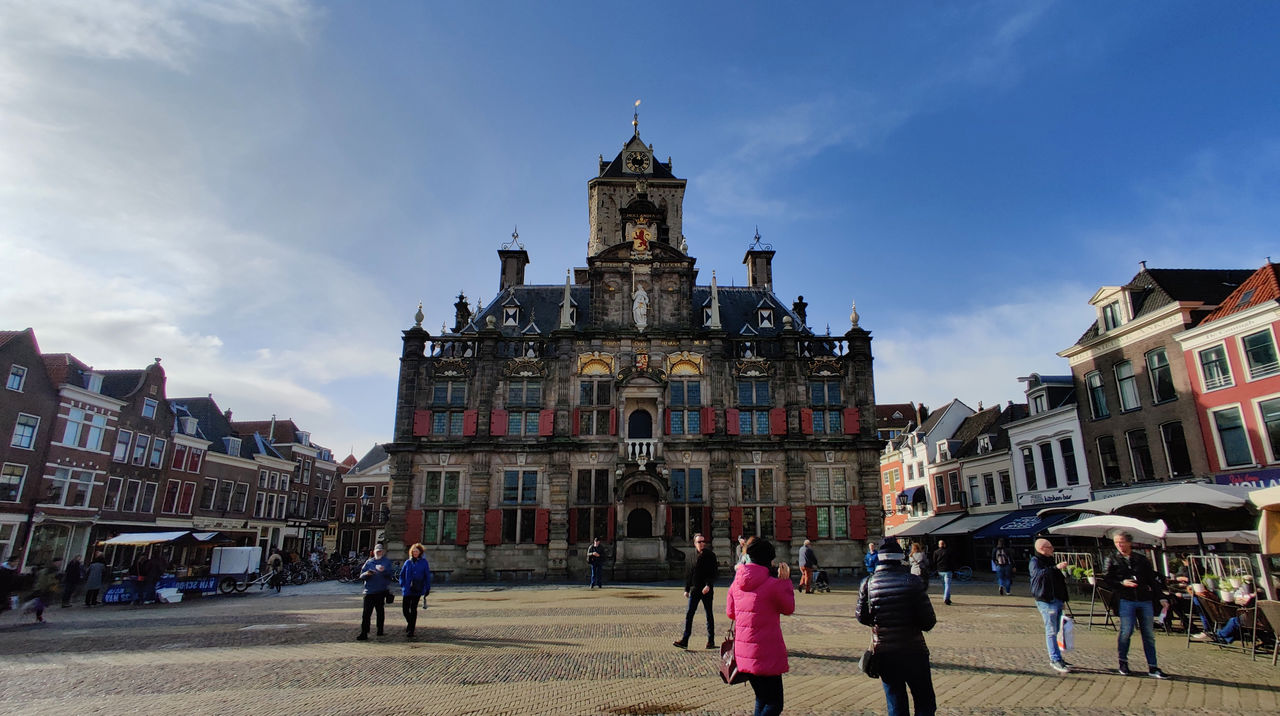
(228,585)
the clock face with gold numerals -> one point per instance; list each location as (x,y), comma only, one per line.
(637,162)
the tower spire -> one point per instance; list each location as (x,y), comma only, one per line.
(635,119)
(714,323)
(566,308)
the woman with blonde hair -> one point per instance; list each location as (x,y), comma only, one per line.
(415,584)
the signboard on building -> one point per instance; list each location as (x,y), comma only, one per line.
(1074,493)
(1253,478)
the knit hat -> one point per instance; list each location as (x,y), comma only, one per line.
(890,551)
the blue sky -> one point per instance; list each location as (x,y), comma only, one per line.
(261,193)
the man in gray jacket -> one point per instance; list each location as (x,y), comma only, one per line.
(894,603)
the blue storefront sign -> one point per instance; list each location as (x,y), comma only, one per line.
(1253,478)
(127,591)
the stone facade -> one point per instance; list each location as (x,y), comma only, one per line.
(633,403)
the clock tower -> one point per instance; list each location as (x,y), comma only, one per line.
(635,199)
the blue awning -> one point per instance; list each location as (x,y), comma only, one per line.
(1019,524)
(912,494)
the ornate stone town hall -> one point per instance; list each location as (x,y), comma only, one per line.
(634,403)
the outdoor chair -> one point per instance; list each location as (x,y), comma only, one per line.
(1218,614)
(1108,600)
(1268,615)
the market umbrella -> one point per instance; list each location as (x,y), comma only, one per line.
(1191,507)
(1103,526)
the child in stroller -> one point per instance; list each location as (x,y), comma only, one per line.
(820,581)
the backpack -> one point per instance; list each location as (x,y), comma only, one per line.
(1001,557)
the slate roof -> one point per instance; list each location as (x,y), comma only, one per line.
(934,417)
(885,419)
(980,423)
(738,305)
(375,455)
(286,431)
(1153,289)
(122,383)
(1262,287)
(212,425)
(614,169)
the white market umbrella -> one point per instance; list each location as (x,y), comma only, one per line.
(1104,526)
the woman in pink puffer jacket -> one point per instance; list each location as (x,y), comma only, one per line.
(755,600)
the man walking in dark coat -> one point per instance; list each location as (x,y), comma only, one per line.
(72,578)
(1132,579)
(945,563)
(700,576)
(894,603)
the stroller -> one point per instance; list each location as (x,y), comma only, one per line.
(820,581)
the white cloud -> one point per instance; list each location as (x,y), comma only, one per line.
(934,356)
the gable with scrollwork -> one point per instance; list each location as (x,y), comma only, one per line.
(525,368)
(451,368)
(753,368)
(825,366)
(685,363)
(595,363)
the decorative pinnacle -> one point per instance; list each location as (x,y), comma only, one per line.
(514,243)
(417,317)
(635,119)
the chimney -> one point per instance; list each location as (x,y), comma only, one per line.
(513,263)
(227,414)
(759,267)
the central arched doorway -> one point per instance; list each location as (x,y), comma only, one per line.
(639,425)
(639,523)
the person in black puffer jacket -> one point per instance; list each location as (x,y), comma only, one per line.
(1049,588)
(894,603)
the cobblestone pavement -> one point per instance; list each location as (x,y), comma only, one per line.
(567,650)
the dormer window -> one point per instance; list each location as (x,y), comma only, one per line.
(706,317)
(188,424)
(233,445)
(765,317)
(1038,404)
(944,452)
(510,315)
(1111,318)
(984,444)
(95,383)
(304,437)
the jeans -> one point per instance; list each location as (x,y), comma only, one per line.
(768,694)
(1142,613)
(373,602)
(596,580)
(946,586)
(900,671)
(1004,577)
(408,607)
(696,598)
(1229,631)
(1051,613)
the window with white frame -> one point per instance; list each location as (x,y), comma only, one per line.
(593,500)
(1260,354)
(989,487)
(1038,404)
(1214,368)
(17,378)
(1269,413)
(1050,467)
(208,493)
(940,489)
(975,492)
(1029,467)
(240,499)
(753,406)
(11,479)
(124,438)
(765,316)
(1161,376)
(1140,455)
(684,398)
(1006,487)
(440,499)
(829,493)
(1108,460)
(827,403)
(157,452)
(756,497)
(1229,428)
(1175,449)
(169,505)
(111,500)
(147,503)
(84,429)
(687,501)
(24,431)
(1097,396)
(132,489)
(519,500)
(140,447)
(953,480)
(595,397)
(1111,318)
(1127,386)
(1068,449)
(71,488)
(149,408)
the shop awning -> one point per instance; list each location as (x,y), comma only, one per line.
(969,523)
(911,494)
(139,539)
(211,538)
(1019,524)
(927,526)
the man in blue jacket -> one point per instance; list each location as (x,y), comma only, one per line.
(377,574)
(415,584)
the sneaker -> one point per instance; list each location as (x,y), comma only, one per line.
(947,602)
(1157,674)
(363,637)
(1202,636)
(1067,664)
(712,645)
(1124,670)
(1060,667)
(680,644)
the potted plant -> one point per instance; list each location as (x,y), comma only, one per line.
(1210,582)
(1235,582)
(1088,575)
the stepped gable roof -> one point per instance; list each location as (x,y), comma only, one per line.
(885,414)
(375,455)
(285,430)
(212,425)
(1153,289)
(122,383)
(65,368)
(614,169)
(1261,287)
(738,306)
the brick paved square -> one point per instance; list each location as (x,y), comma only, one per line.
(567,650)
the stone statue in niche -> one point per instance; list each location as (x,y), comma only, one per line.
(640,307)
